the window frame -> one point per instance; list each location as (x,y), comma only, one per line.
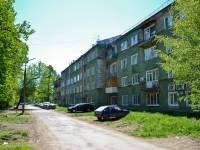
(174,100)
(133,59)
(136,100)
(125,100)
(124,81)
(124,46)
(135,78)
(150,53)
(134,39)
(165,21)
(152,100)
(124,63)
(113,67)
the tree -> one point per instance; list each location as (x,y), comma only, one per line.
(184,58)
(13,50)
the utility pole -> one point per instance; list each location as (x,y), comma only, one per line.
(24,89)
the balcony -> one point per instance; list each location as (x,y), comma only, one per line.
(111,57)
(111,85)
(148,37)
(151,86)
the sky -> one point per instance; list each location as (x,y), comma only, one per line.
(66,29)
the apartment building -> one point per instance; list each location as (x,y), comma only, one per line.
(126,70)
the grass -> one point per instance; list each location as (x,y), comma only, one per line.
(60,108)
(152,125)
(16,146)
(10,137)
(13,117)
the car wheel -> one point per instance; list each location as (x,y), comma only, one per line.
(107,117)
(99,118)
(74,110)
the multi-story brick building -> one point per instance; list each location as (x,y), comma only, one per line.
(126,71)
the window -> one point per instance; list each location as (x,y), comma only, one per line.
(171,87)
(92,85)
(93,55)
(167,21)
(124,81)
(150,53)
(77,65)
(124,46)
(170,74)
(134,40)
(124,100)
(113,68)
(88,58)
(179,86)
(74,79)
(92,100)
(148,32)
(188,100)
(153,99)
(77,77)
(88,86)
(136,100)
(93,71)
(124,63)
(80,88)
(80,76)
(88,72)
(168,48)
(135,79)
(152,75)
(77,89)
(173,99)
(74,90)
(134,59)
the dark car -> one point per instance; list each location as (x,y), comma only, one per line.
(83,107)
(51,106)
(106,112)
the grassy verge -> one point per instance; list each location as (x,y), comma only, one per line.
(151,125)
(60,108)
(12,138)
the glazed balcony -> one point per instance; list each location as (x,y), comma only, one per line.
(111,85)
(111,57)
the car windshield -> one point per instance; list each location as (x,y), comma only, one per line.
(117,108)
(101,108)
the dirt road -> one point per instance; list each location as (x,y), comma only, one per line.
(56,131)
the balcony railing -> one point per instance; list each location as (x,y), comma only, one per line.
(147,40)
(112,56)
(112,82)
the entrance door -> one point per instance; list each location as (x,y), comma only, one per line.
(113,100)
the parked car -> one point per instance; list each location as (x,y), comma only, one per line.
(107,112)
(51,106)
(83,107)
(41,105)
(36,104)
(45,105)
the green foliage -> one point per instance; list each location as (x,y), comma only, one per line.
(24,133)
(183,61)
(12,49)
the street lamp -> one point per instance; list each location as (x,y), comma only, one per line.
(24,89)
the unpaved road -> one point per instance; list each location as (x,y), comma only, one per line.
(65,133)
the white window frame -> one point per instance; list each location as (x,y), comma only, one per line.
(134,59)
(171,87)
(135,79)
(124,46)
(134,40)
(152,75)
(168,48)
(179,86)
(113,67)
(167,22)
(124,81)
(124,63)
(150,53)
(124,100)
(136,100)
(154,101)
(175,101)
(170,74)
(188,104)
